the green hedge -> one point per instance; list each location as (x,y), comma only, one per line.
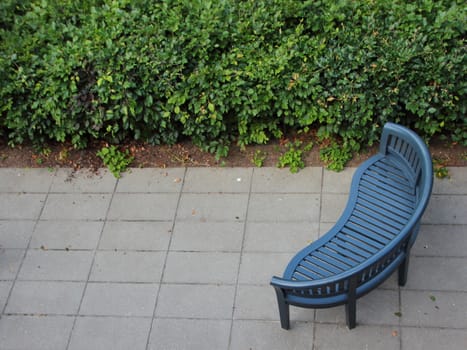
(226,71)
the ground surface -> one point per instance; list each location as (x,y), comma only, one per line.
(186,154)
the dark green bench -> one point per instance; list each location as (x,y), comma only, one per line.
(372,238)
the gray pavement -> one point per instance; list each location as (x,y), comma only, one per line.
(181,259)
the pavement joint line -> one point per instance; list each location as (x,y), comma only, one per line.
(242,248)
(92,263)
(174,220)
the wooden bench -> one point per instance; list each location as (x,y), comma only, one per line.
(372,238)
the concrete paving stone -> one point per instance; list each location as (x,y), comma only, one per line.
(119,299)
(249,334)
(15,234)
(362,337)
(136,235)
(441,240)
(337,182)
(127,266)
(256,303)
(76,206)
(34,332)
(207,236)
(332,206)
(434,309)
(25,180)
(143,206)
(195,301)
(40,297)
(217,180)
(197,267)
(207,207)
(279,236)
(151,180)
(433,338)
(446,210)
(83,181)
(10,262)
(110,333)
(56,265)
(455,184)
(184,334)
(17,206)
(274,180)
(67,234)
(5,287)
(437,274)
(376,308)
(284,207)
(258,268)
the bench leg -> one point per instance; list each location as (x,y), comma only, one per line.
(403,270)
(283,309)
(351,313)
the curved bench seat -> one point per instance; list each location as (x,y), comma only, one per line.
(373,236)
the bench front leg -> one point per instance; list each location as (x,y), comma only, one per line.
(284,312)
(404,269)
(351,306)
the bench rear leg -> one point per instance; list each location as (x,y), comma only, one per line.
(403,270)
(284,308)
(351,313)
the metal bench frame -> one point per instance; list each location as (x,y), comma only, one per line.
(372,238)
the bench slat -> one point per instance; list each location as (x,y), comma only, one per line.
(377,224)
(380,214)
(385,179)
(315,268)
(331,260)
(378,191)
(347,229)
(390,207)
(390,191)
(375,230)
(337,257)
(357,242)
(368,233)
(322,263)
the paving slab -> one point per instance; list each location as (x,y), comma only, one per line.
(44,297)
(441,241)
(337,182)
(17,206)
(274,207)
(83,181)
(143,206)
(110,333)
(273,180)
(279,236)
(446,209)
(76,206)
(10,262)
(56,265)
(25,180)
(5,287)
(82,235)
(16,233)
(455,184)
(35,332)
(201,267)
(119,299)
(258,334)
(211,207)
(195,301)
(207,236)
(218,180)
(415,338)
(151,180)
(127,266)
(136,235)
(187,334)
(434,309)
(338,337)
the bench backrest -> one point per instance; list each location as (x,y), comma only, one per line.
(409,148)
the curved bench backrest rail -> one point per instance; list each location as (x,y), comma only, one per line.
(385,247)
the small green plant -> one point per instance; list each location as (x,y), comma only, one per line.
(440,170)
(335,156)
(258,158)
(114,159)
(293,157)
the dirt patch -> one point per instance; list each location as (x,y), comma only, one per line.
(186,154)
